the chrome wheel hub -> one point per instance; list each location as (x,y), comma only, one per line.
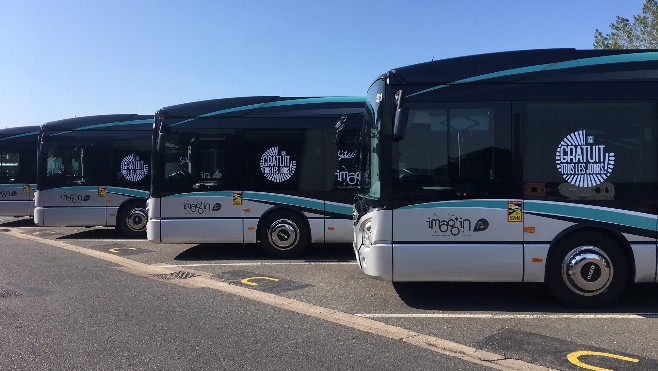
(137,219)
(587,271)
(283,234)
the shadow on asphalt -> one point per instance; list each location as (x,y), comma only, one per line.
(512,297)
(98,233)
(321,252)
(17,223)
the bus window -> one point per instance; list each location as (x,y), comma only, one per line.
(9,167)
(453,153)
(69,165)
(202,162)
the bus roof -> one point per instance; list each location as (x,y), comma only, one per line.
(102,122)
(261,106)
(18,132)
(545,65)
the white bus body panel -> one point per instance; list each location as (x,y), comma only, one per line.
(457,241)
(69,208)
(217,217)
(17,199)
(475,256)
(79,207)
(375,259)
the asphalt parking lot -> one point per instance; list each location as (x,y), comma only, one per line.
(519,323)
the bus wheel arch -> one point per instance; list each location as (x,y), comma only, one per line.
(283,233)
(589,267)
(132,218)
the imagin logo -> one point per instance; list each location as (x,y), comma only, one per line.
(455,226)
(582,162)
(347,178)
(277,167)
(7,194)
(200,207)
(133,168)
(74,198)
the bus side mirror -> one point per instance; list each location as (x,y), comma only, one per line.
(400,125)
(161,142)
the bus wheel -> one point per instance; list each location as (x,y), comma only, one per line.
(283,235)
(587,270)
(132,219)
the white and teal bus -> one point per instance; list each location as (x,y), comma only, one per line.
(94,171)
(255,169)
(524,166)
(18,170)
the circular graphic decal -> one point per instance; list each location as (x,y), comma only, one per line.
(582,162)
(276,166)
(133,168)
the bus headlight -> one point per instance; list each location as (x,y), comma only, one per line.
(366,233)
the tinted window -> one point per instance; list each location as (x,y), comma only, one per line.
(454,152)
(130,164)
(74,165)
(284,160)
(202,162)
(347,166)
(597,151)
(9,162)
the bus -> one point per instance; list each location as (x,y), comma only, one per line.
(94,171)
(18,170)
(520,166)
(255,169)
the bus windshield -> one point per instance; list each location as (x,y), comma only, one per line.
(371,147)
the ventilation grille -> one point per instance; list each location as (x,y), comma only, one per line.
(8,293)
(180,275)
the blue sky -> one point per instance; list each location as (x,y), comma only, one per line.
(68,58)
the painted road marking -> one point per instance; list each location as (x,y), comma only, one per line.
(559,353)
(248,281)
(435,344)
(510,316)
(574,358)
(272,285)
(119,249)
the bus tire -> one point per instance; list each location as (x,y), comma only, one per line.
(133,218)
(283,235)
(587,270)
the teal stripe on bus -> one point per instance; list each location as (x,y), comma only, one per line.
(339,209)
(284,200)
(128,192)
(204,194)
(585,62)
(482,204)
(598,214)
(556,209)
(75,188)
(21,135)
(290,102)
(109,124)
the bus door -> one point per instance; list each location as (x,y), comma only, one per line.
(455,217)
(74,189)
(204,173)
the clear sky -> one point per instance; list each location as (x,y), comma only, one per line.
(67,58)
